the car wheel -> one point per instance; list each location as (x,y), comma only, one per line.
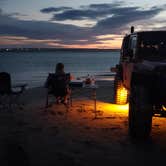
(140,112)
(120,93)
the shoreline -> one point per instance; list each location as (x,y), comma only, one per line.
(2,50)
(98,78)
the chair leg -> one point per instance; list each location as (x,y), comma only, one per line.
(71,101)
(70,97)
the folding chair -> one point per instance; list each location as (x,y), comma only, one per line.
(8,96)
(58,85)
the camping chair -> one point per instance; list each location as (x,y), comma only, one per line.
(7,95)
(58,86)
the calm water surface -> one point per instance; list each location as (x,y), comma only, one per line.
(33,67)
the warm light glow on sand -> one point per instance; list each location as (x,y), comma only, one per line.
(116,107)
(104,110)
(112,108)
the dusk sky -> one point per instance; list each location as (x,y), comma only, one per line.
(76,23)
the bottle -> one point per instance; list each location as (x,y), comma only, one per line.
(93,80)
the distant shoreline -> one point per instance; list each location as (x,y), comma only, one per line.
(54,49)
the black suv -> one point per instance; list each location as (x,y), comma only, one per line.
(141,79)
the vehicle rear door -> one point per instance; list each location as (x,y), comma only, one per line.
(129,61)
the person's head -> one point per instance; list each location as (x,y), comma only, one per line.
(59,67)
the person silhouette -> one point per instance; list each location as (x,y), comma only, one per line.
(58,84)
(64,90)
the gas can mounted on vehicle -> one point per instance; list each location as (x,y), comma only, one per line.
(140,79)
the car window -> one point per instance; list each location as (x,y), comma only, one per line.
(133,42)
(125,47)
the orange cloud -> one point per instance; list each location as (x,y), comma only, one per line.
(103,42)
(113,45)
(21,40)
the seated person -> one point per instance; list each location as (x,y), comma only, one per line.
(58,84)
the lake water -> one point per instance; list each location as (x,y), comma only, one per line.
(33,67)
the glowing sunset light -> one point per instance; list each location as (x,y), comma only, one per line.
(88,46)
(20,40)
(111,43)
(109,36)
(13,38)
(81,23)
(85,24)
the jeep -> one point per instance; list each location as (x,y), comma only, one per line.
(140,79)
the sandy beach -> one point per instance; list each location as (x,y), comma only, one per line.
(59,137)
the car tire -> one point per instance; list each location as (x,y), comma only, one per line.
(140,112)
(118,92)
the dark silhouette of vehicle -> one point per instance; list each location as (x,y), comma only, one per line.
(141,79)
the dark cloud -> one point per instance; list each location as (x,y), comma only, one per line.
(2,2)
(123,18)
(78,15)
(16,14)
(40,29)
(93,11)
(110,19)
(105,5)
(54,9)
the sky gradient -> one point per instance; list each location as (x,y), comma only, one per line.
(76,23)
